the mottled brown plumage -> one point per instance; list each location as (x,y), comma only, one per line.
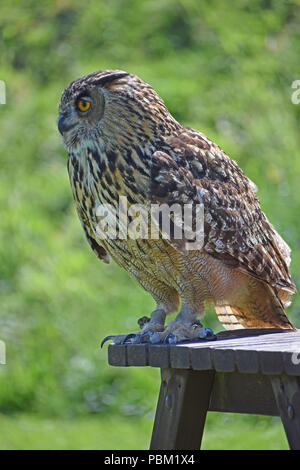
(128,144)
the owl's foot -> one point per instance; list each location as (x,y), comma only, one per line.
(150,330)
(175,332)
(119,339)
(149,327)
(196,334)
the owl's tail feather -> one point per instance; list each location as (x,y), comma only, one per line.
(227,316)
(259,307)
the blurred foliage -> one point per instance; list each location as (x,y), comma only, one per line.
(223,68)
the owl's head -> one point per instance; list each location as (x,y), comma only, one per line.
(112,108)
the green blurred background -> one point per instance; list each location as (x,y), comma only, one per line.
(225,68)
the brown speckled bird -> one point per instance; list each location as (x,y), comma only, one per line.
(122,141)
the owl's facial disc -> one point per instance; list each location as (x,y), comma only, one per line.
(80,115)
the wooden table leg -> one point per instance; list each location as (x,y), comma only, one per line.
(181,410)
(287,393)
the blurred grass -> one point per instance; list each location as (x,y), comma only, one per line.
(224,69)
(222,432)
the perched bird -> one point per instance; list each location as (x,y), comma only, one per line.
(122,141)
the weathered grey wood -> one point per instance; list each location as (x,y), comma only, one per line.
(137,355)
(243,393)
(246,351)
(117,355)
(159,356)
(291,362)
(181,409)
(247,363)
(271,362)
(180,357)
(224,360)
(287,393)
(249,332)
(244,371)
(203,361)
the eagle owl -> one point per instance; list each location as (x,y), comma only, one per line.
(122,141)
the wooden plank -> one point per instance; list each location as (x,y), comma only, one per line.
(271,362)
(159,356)
(287,392)
(249,332)
(201,361)
(180,357)
(247,362)
(224,360)
(291,362)
(117,355)
(243,393)
(137,355)
(181,409)
(269,353)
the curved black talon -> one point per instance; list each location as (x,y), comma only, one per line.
(147,333)
(207,334)
(129,336)
(170,339)
(107,338)
(153,337)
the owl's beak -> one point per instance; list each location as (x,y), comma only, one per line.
(63,124)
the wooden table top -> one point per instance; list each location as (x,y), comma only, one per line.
(265,351)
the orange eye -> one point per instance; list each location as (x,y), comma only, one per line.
(83,105)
